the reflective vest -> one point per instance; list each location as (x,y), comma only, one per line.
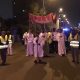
(75,37)
(3,46)
(49,37)
(70,37)
(9,39)
(74,44)
(3,41)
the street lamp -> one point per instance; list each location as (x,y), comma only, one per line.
(44,13)
(64,16)
(68,22)
(60,10)
(44,8)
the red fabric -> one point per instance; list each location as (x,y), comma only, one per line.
(42,19)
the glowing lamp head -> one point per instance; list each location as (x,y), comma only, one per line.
(64,15)
(61,10)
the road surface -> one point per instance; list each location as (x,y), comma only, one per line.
(20,67)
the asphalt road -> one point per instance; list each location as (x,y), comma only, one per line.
(20,67)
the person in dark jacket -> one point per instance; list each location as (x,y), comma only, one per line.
(3,47)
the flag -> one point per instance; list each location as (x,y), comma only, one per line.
(42,19)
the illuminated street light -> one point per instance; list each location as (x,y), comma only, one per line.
(64,15)
(66,19)
(60,10)
(68,22)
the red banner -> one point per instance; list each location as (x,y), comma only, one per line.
(42,19)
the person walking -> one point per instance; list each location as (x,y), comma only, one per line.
(10,52)
(74,43)
(3,47)
(61,43)
(38,48)
(29,40)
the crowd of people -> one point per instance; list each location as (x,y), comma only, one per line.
(42,43)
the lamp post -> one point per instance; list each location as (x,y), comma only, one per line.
(44,13)
(62,18)
(43,7)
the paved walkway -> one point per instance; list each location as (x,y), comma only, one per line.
(20,67)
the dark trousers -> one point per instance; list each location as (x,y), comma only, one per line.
(75,54)
(67,44)
(3,55)
(53,47)
(46,49)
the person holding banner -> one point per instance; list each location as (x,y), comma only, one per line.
(38,48)
(24,38)
(25,41)
(29,39)
(3,47)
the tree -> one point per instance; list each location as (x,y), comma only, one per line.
(35,8)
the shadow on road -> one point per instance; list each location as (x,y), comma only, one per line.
(37,72)
(62,69)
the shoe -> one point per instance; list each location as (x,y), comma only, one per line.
(60,55)
(63,55)
(77,62)
(42,62)
(46,56)
(73,61)
(35,61)
(27,55)
(3,64)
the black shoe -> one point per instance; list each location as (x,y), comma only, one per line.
(3,64)
(35,61)
(73,61)
(42,62)
(63,54)
(46,56)
(77,62)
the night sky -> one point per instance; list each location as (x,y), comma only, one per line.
(6,9)
(71,7)
(72,10)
